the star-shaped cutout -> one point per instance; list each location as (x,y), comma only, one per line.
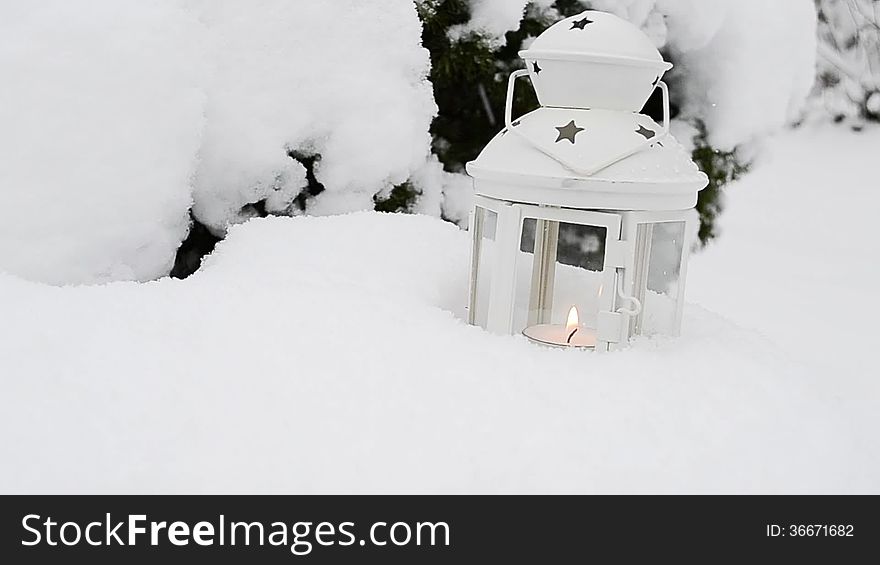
(568,131)
(536,68)
(581,24)
(643,131)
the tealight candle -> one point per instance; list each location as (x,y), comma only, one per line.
(572,334)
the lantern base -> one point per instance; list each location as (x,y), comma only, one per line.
(557,335)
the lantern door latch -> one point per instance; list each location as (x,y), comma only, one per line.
(634,304)
(611,325)
(616,252)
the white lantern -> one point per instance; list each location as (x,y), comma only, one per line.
(583,214)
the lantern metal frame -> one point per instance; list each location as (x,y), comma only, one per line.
(627,250)
(639,193)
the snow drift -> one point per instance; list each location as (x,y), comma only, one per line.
(343,365)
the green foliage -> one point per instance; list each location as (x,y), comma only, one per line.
(198,243)
(401,199)
(721,167)
(470,81)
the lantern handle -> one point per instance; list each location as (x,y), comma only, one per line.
(665,90)
(508,122)
(511,86)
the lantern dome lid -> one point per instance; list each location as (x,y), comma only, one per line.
(596,36)
(594,60)
(527,164)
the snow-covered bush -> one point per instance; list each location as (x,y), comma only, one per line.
(117,117)
(123,121)
(849,57)
(745,67)
(101,110)
(342,85)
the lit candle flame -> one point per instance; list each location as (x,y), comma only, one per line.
(573,321)
(571,325)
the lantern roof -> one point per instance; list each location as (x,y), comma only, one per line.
(588,146)
(598,36)
(588,158)
(594,60)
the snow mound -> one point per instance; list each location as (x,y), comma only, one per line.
(101,114)
(301,359)
(791,266)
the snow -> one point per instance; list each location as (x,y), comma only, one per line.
(754,75)
(493,18)
(746,67)
(849,56)
(450,195)
(348,83)
(805,220)
(302,359)
(120,116)
(101,115)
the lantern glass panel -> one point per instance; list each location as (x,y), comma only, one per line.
(661,248)
(559,265)
(485,227)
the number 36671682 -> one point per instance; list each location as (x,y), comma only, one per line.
(810,530)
